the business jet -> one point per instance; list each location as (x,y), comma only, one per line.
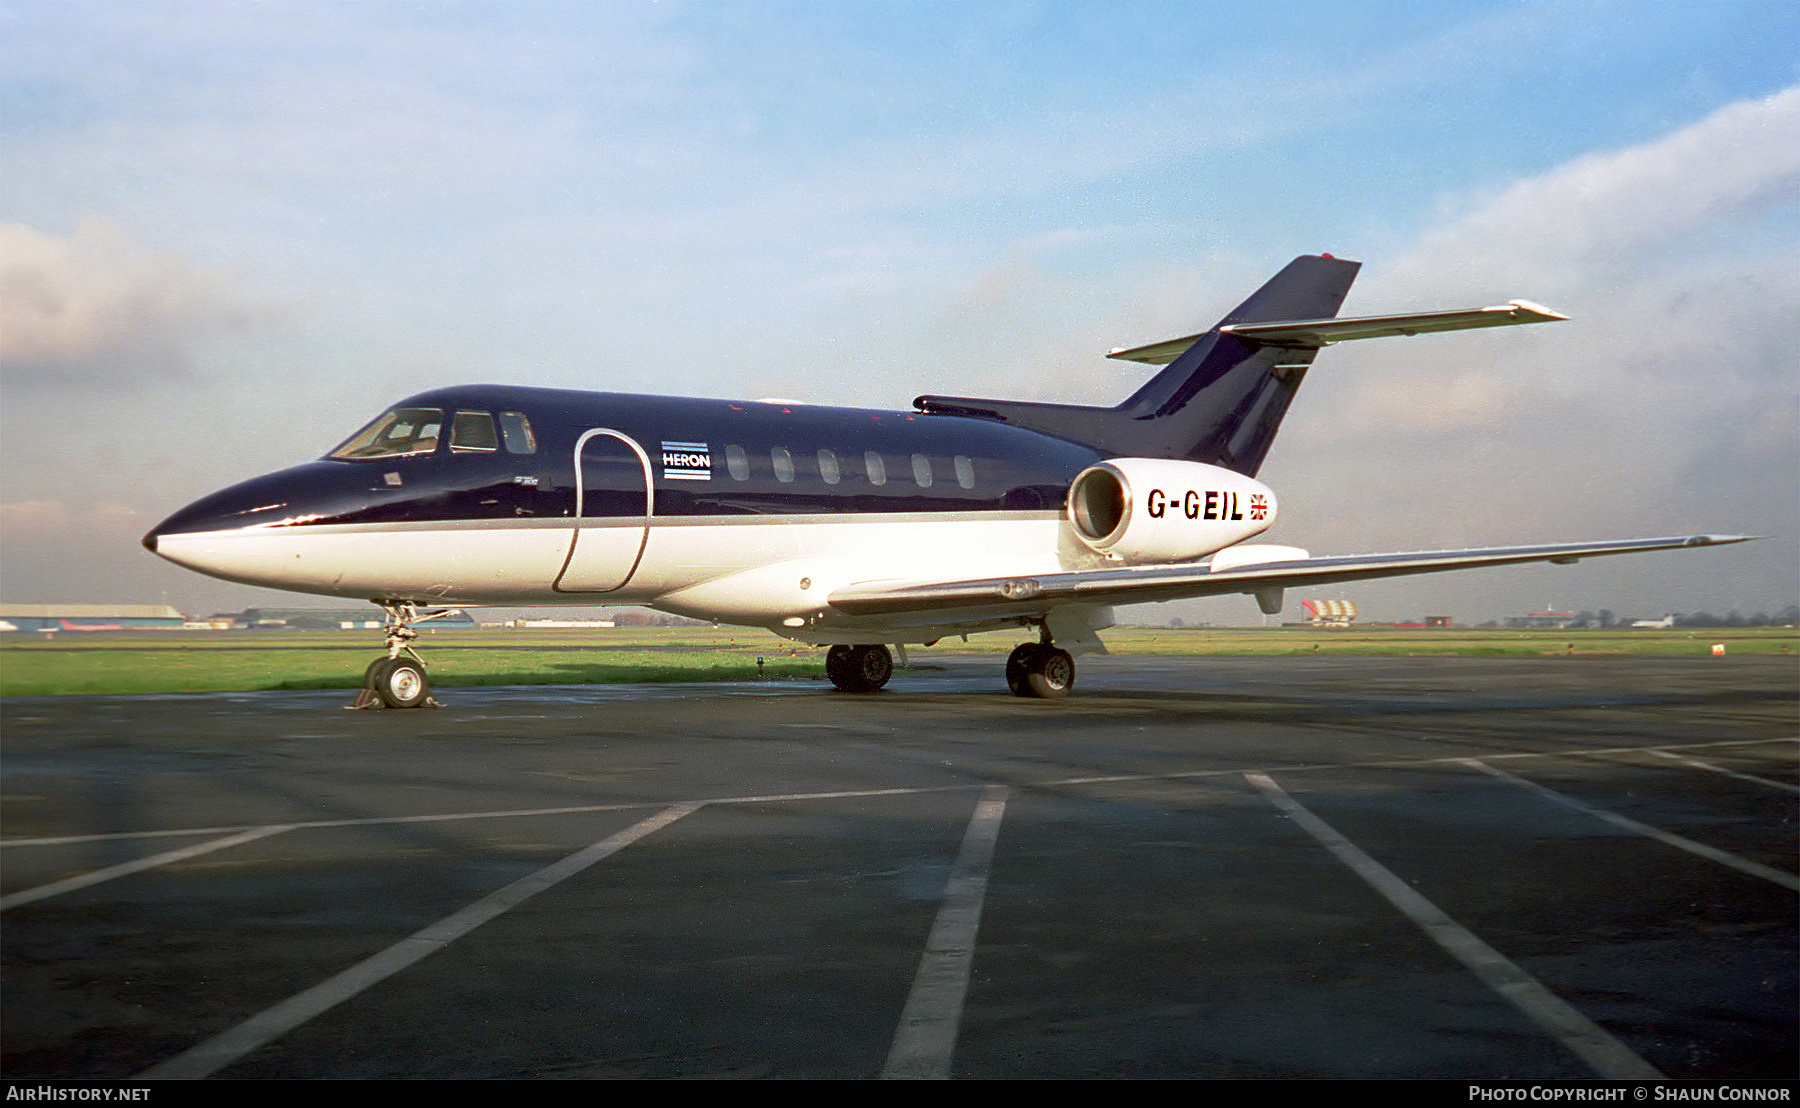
(838,527)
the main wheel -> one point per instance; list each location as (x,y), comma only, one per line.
(400,682)
(837,667)
(871,666)
(859,668)
(1019,665)
(1053,675)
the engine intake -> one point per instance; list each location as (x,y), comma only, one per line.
(1153,510)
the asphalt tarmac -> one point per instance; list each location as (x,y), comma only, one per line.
(1193,867)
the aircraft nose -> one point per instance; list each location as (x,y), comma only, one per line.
(278,498)
(220,530)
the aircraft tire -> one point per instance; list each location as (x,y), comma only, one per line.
(837,667)
(400,682)
(1052,674)
(871,666)
(1019,665)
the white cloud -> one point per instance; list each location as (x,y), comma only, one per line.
(1599,216)
(93,307)
(1668,404)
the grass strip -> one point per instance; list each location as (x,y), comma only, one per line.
(163,662)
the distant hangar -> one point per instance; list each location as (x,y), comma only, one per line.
(90,617)
(162,617)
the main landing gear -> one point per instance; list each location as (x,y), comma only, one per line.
(859,668)
(397,680)
(1041,670)
(1035,669)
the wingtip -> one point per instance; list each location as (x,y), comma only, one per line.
(1721,540)
(1532,312)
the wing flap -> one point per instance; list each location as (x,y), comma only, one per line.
(1028,595)
(1323,332)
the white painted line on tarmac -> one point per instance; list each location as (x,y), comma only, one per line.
(234,1043)
(1607,1056)
(1709,767)
(926,1037)
(499,813)
(1742,865)
(95,877)
(842,794)
(1602,750)
(327,824)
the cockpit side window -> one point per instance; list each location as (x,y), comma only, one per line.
(473,431)
(516,430)
(399,432)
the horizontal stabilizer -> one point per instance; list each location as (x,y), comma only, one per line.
(1323,332)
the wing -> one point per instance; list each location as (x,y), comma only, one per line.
(1007,597)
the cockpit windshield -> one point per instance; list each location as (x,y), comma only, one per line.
(400,432)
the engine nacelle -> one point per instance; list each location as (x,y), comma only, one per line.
(1146,510)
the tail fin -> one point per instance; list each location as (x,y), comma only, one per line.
(1222,400)
(1222,397)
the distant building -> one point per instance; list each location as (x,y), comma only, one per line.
(644,617)
(90,617)
(1329,613)
(1540,621)
(333,619)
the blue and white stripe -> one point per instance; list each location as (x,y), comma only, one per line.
(686,461)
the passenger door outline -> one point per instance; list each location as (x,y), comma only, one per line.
(591,565)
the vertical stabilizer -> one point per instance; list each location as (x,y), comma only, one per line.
(1220,398)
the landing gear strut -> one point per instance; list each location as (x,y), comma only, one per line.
(1040,669)
(397,680)
(859,668)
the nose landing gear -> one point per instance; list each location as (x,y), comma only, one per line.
(397,680)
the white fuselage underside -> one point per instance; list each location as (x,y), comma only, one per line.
(764,571)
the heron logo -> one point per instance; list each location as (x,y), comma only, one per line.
(686,461)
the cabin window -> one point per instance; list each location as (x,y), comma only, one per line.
(399,432)
(737,463)
(965,471)
(784,464)
(921,471)
(473,431)
(828,467)
(515,429)
(875,468)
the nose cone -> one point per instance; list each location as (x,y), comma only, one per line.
(302,494)
(240,533)
(257,502)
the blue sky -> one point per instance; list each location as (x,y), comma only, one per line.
(231,232)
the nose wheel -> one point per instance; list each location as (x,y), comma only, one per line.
(397,679)
(397,682)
